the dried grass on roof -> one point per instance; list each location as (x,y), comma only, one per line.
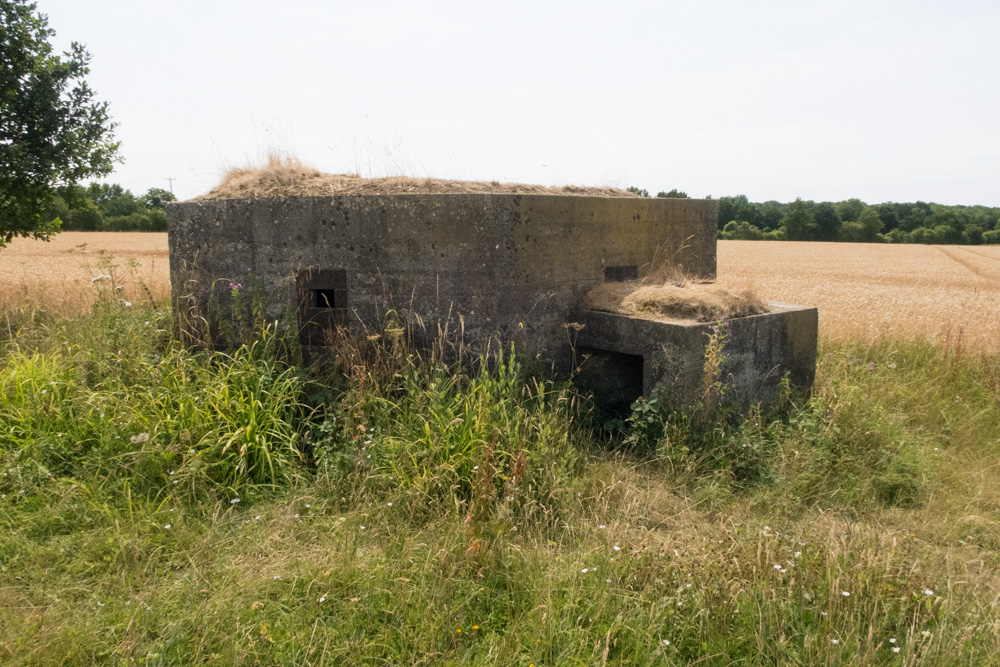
(675,300)
(284,176)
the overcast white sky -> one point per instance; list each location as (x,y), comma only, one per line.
(886,101)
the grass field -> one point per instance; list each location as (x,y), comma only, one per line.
(166,505)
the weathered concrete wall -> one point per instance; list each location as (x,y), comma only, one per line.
(760,350)
(498,260)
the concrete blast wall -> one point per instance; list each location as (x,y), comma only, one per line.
(499,260)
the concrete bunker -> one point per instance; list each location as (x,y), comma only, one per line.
(517,265)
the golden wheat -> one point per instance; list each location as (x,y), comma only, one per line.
(57,274)
(868,290)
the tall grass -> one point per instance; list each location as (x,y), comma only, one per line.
(166,504)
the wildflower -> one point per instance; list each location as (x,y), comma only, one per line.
(680,604)
(616,548)
(607,581)
(128,304)
(666,642)
(892,641)
(459,630)
(323,599)
(834,641)
(277,576)
(167,526)
(777,567)
(798,553)
(871,366)
(389,504)
(362,527)
(895,649)
(846,594)
(234,501)
(308,506)
(928,591)
(475,467)
(823,613)
(475,627)
(585,570)
(45,391)
(100,604)
(139,438)
(256,517)
(602,526)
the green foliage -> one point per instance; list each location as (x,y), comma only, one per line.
(106,207)
(673,194)
(852,220)
(637,191)
(52,129)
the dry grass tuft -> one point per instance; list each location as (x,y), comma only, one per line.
(675,300)
(286,176)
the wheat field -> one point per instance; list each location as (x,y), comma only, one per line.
(57,274)
(861,290)
(864,290)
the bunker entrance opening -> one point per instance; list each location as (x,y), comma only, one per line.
(614,379)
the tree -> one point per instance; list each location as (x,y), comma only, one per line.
(798,222)
(53,132)
(673,194)
(871,224)
(156,198)
(827,221)
(642,192)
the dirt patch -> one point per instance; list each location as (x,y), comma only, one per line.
(287,177)
(675,300)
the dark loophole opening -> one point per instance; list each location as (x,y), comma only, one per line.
(619,274)
(326,298)
(614,379)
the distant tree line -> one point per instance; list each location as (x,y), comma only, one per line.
(853,220)
(101,207)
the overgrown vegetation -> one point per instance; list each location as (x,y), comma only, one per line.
(165,504)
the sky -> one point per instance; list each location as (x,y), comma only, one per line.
(884,101)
